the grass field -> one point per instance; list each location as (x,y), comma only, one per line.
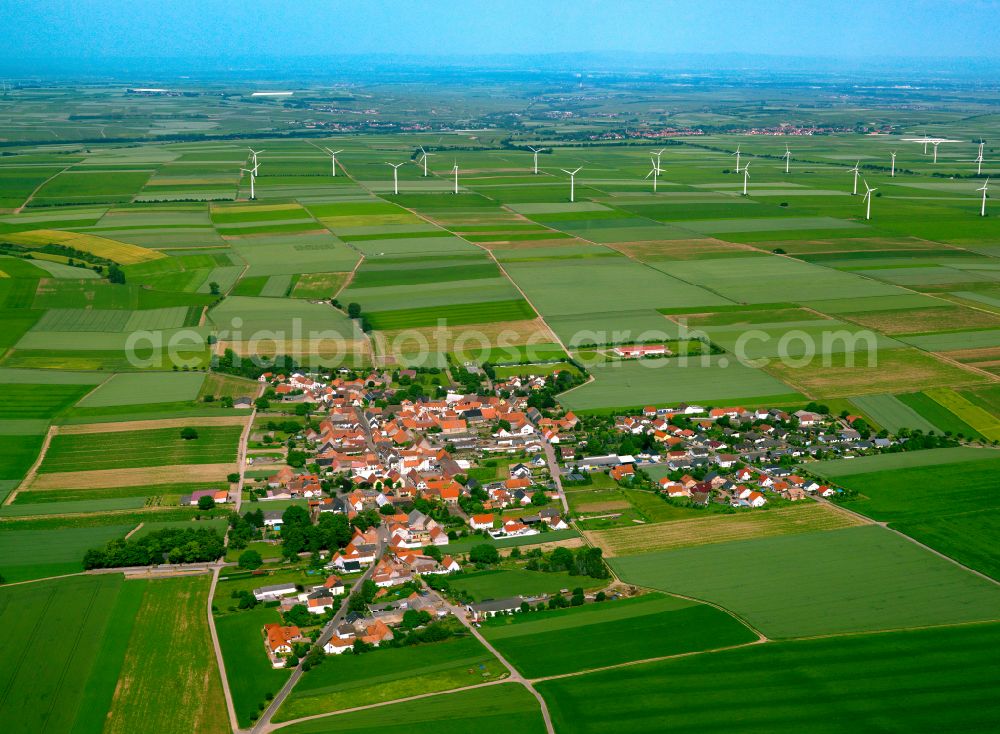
(350,680)
(37,553)
(803,517)
(850,580)
(66,644)
(579,638)
(494,708)
(132,449)
(838,468)
(917,681)
(26,401)
(503,583)
(170,642)
(149,387)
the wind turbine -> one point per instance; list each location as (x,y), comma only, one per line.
(424,159)
(572,182)
(536,151)
(868,198)
(455,171)
(253,177)
(788,157)
(857,172)
(737,154)
(935,143)
(254,154)
(979,159)
(395,176)
(658,154)
(746,178)
(984,188)
(655,172)
(333,160)
(892,173)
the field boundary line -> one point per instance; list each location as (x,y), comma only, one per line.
(939,554)
(39,188)
(33,471)
(630,663)
(134,530)
(313,717)
(219,662)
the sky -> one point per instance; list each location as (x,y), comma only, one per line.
(61,30)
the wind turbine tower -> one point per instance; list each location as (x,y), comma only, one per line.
(984,188)
(788,157)
(333,160)
(979,159)
(868,198)
(857,172)
(737,154)
(535,152)
(654,172)
(254,154)
(455,171)
(746,178)
(395,176)
(253,177)
(425,156)
(572,182)
(892,173)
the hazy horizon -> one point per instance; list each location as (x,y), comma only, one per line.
(112,32)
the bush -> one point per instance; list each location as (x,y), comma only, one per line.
(189,434)
(206,502)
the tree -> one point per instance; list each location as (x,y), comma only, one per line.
(413,618)
(295,516)
(262,403)
(354,310)
(387,509)
(484,553)
(250,560)
(432,551)
(205,502)
(213,288)
(116,274)
(539,499)
(189,433)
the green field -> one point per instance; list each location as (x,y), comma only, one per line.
(560,641)
(28,553)
(136,389)
(836,469)
(170,641)
(953,508)
(494,708)
(26,401)
(348,680)
(502,583)
(251,678)
(788,586)
(66,644)
(916,681)
(129,449)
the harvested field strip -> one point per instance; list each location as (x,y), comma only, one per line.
(221,420)
(133,477)
(120,252)
(803,518)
